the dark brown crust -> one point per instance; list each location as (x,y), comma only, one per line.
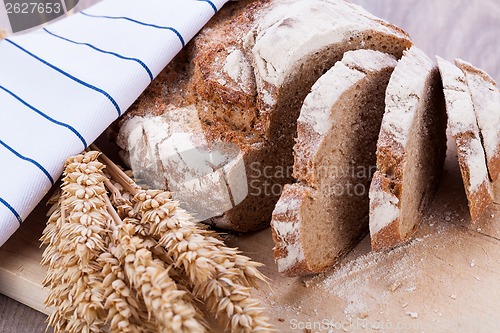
(476,71)
(494,167)
(481,199)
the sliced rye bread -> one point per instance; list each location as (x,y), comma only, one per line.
(465,131)
(486,100)
(325,214)
(248,72)
(411,150)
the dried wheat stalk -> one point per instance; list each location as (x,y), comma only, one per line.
(106,267)
(170,306)
(75,237)
(219,275)
(125,312)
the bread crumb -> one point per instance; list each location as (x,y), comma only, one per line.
(413,315)
(395,286)
(472,263)
(453,296)
(404,305)
(411,289)
(281,320)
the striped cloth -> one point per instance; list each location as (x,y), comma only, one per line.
(61,86)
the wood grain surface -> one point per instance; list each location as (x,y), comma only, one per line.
(449,277)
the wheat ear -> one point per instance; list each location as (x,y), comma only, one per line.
(216,272)
(125,312)
(76,236)
(170,306)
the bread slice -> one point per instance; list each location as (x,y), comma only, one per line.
(410,152)
(247,74)
(325,214)
(465,131)
(486,100)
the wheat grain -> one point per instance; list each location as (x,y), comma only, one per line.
(125,311)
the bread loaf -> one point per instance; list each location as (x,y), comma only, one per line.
(464,128)
(325,214)
(410,152)
(247,74)
(486,100)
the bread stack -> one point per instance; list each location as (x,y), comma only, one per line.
(339,120)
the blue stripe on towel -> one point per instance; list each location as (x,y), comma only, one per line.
(14,212)
(24,158)
(138,22)
(108,96)
(146,68)
(214,7)
(72,129)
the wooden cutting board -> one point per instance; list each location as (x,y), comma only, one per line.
(447,279)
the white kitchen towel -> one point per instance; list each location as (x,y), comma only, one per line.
(62,85)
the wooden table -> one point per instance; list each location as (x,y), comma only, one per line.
(448,280)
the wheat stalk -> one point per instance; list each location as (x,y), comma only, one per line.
(76,235)
(219,275)
(121,260)
(170,306)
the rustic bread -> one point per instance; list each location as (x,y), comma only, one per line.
(486,100)
(465,131)
(247,74)
(325,214)
(410,151)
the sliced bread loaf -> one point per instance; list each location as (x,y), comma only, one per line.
(325,214)
(410,152)
(465,131)
(486,100)
(247,74)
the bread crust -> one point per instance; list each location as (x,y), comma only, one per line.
(389,233)
(486,99)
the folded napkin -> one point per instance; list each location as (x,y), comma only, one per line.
(62,85)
